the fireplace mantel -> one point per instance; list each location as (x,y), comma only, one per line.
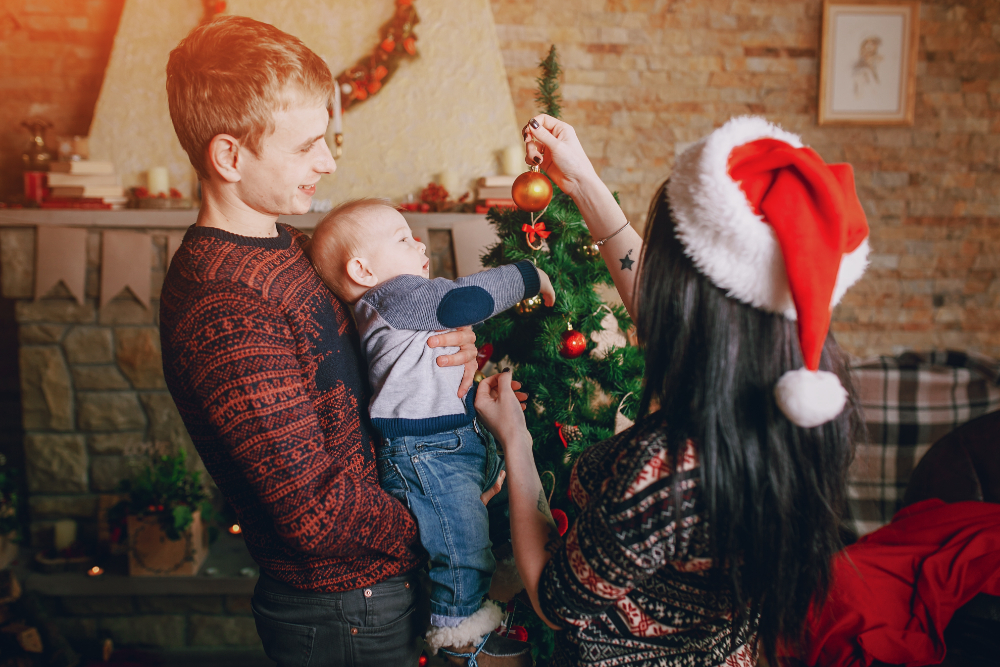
(181,219)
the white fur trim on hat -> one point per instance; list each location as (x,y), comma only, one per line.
(729,243)
(810,398)
(470,631)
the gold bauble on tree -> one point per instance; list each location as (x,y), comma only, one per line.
(532,191)
(529,305)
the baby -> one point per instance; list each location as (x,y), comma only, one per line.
(434,455)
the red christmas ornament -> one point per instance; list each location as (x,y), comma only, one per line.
(518,632)
(484,354)
(574,343)
(422,661)
(562,521)
(532,191)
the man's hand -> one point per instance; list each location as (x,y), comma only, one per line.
(546,290)
(495,489)
(463,338)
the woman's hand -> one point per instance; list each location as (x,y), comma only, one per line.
(501,411)
(463,338)
(553,145)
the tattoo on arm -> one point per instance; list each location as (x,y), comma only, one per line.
(627,261)
(553,542)
(543,507)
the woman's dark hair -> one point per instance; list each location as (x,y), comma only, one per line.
(774,492)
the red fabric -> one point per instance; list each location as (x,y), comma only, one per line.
(817,217)
(896,589)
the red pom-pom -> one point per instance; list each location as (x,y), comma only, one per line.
(484,354)
(562,521)
(518,632)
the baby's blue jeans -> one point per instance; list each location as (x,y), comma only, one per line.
(440,478)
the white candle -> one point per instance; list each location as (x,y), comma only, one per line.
(449,181)
(338,122)
(512,160)
(65,533)
(158,180)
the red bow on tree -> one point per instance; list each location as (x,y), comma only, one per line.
(537,228)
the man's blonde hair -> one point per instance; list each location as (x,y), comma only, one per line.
(342,235)
(231,75)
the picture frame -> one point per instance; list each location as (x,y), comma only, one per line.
(868,62)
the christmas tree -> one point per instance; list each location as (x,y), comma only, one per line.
(575,393)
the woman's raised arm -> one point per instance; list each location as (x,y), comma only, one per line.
(554,146)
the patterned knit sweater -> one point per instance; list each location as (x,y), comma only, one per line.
(634,583)
(265,367)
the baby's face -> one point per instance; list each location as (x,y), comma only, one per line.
(393,250)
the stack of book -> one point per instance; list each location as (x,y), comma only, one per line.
(494,191)
(84,184)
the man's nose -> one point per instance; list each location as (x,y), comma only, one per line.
(326,165)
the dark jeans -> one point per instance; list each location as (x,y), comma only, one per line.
(377,625)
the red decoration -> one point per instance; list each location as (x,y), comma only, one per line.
(533,232)
(518,632)
(422,661)
(371,72)
(484,354)
(532,191)
(574,344)
(562,521)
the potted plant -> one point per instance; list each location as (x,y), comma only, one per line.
(163,513)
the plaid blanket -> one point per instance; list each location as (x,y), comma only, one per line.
(909,402)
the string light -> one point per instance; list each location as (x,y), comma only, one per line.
(235,529)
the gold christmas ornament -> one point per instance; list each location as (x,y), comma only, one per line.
(528,306)
(532,191)
(588,248)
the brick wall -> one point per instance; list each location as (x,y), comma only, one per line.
(52,55)
(643,78)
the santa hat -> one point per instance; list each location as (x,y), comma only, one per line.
(765,219)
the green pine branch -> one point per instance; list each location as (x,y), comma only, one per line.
(547,97)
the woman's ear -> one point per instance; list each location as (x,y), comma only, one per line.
(360,273)
(223,157)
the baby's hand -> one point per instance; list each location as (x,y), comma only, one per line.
(546,290)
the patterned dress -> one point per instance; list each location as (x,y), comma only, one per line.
(634,583)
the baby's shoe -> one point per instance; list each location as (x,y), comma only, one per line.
(493,651)
(474,644)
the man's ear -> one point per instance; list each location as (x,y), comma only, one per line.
(359,271)
(224,156)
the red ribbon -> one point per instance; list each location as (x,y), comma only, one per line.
(537,228)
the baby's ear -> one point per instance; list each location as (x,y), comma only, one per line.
(360,272)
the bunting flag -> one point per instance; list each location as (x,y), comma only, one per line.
(174,240)
(61,256)
(126,261)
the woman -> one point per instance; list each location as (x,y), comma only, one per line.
(709,526)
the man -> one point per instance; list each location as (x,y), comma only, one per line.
(264,362)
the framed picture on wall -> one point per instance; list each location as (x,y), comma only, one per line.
(868,63)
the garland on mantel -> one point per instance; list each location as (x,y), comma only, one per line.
(366,78)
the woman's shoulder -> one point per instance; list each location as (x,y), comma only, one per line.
(630,462)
